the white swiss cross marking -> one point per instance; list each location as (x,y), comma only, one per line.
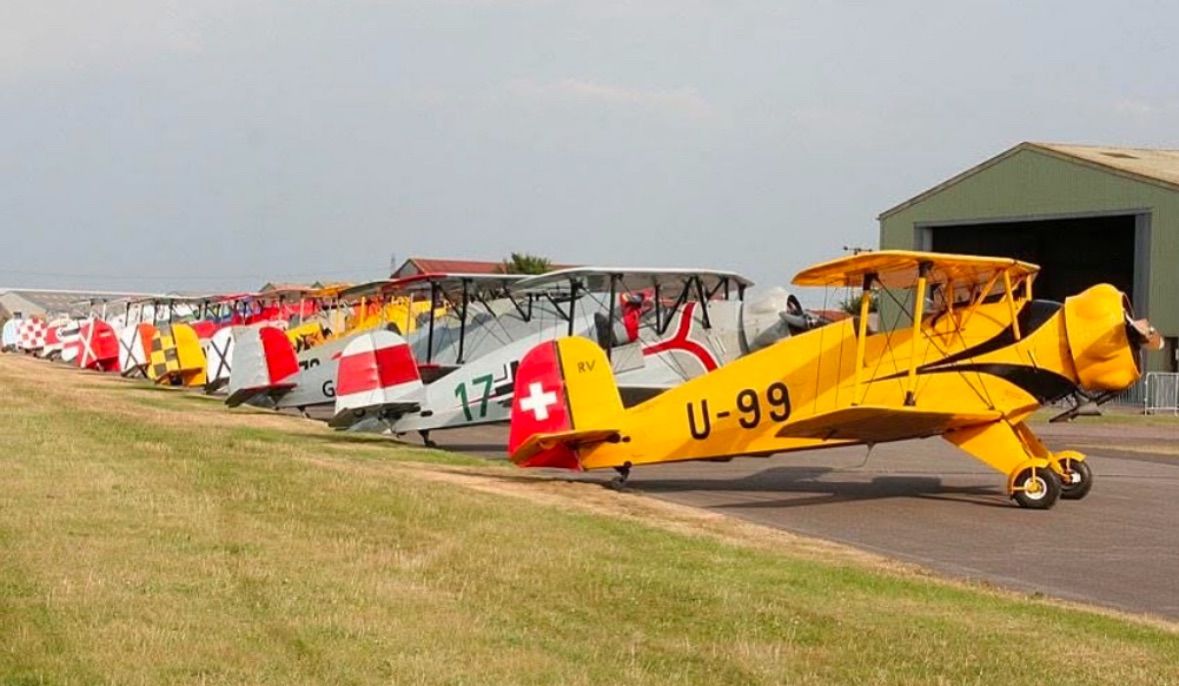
(538,401)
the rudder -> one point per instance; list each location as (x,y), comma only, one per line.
(565,396)
(262,362)
(377,371)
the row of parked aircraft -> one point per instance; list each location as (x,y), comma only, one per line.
(615,368)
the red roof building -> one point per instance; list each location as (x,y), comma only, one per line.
(428,265)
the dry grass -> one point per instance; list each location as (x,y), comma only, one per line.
(153,537)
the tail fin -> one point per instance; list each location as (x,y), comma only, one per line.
(204,328)
(565,397)
(219,358)
(377,372)
(134,343)
(263,362)
(190,357)
(100,346)
(71,341)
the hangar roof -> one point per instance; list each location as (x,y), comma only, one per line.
(1152,165)
(49,300)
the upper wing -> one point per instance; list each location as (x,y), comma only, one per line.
(899,269)
(448,283)
(625,279)
(876,424)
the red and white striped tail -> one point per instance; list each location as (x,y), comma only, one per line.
(377,368)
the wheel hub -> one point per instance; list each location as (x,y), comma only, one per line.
(1034,487)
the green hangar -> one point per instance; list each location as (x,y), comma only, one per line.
(1085,214)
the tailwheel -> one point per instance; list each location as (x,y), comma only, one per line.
(425,434)
(1036,489)
(1077,479)
(618,483)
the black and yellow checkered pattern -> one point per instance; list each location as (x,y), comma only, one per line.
(164,361)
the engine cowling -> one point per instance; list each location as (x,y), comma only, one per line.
(1104,350)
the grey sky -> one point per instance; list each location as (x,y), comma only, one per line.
(212,145)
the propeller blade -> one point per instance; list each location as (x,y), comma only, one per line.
(1148,336)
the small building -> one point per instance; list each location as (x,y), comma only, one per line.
(1086,214)
(279,286)
(44,302)
(430,265)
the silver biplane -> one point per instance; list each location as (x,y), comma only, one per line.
(659,328)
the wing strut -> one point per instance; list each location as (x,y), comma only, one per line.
(918,313)
(525,315)
(703,302)
(610,319)
(1009,295)
(463,320)
(862,334)
(430,335)
(574,285)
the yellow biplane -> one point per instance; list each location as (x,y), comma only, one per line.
(977,357)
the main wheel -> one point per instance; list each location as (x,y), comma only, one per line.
(1036,489)
(1077,481)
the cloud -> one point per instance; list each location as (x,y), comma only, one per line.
(1145,109)
(683,101)
(40,38)
(1135,107)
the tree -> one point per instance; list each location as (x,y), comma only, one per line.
(524,263)
(851,304)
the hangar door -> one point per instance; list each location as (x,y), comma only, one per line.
(1073,253)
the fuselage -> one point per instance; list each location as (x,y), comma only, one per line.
(480,391)
(968,360)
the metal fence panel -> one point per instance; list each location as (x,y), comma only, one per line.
(1161,392)
(1134,396)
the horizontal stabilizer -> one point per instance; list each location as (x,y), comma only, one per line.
(244,395)
(879,424)
(348,417)
(543,443)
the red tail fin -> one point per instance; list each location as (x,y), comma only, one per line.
(565,398)
(100,346)
(281,361)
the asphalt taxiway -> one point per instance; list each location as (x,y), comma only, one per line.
(926,502)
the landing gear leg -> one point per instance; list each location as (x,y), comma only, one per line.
(619,482)
(425,434)
(1012,449)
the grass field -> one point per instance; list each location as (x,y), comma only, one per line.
(153,537)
